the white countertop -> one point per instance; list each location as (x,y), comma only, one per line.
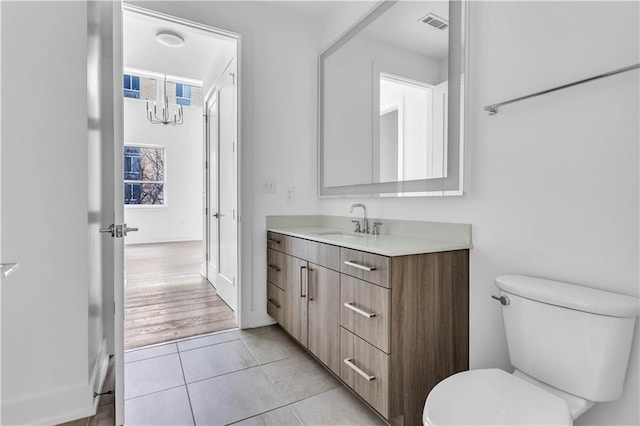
(386,245)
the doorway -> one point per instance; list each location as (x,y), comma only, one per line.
(169,66)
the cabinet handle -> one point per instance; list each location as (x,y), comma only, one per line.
(273,303)
(352,366)
(273,268)
(301,268)
(359,266)
(309,297)
(349,305)
(272,240)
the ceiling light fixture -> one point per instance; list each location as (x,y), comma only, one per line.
(165,116)
(170,39)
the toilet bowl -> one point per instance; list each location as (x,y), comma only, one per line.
(570,348)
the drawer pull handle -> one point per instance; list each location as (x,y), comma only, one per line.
(352,366)
(349,305)
(272,240)
(273,268)
(359,266)
(273,303)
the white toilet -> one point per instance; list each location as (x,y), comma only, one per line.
(570,348)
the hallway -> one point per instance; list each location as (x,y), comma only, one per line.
(166,298)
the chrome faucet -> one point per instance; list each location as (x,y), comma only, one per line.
(365,222)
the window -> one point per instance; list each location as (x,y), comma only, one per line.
(183,94)
(144,175)
(131,86)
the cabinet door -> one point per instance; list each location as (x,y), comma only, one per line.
(324,313)
(294,318)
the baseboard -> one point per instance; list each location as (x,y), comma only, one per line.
(99,372)
(60,405)
(258,319)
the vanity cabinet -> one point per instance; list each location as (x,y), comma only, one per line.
(390,327)
(310,290)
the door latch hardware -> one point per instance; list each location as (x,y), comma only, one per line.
(118,231)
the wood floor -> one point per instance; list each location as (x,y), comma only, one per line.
(166,298)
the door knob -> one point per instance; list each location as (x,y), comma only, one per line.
(216,215)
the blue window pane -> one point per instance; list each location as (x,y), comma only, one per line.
(132,169)
(127,81)
(179,90)
(132,192)
(135,83)
(131,94)
(183,101)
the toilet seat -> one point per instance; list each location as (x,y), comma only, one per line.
(492,397)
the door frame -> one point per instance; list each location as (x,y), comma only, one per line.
(119,293)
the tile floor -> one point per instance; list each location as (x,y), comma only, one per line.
(248,377)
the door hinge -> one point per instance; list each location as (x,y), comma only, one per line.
(233,78)
(233,146)
(234,214)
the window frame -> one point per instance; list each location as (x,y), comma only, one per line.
(165,204)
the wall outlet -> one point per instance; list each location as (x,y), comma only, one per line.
(269,186)
(291,194)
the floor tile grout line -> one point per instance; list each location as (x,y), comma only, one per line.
(206,346)
(259,414)
(223,374)
(151,357)
(186,387)
(152,393)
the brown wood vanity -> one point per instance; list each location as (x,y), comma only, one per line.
(390,327)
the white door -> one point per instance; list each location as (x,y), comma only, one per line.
(212,185)
(227,191)
(113,170)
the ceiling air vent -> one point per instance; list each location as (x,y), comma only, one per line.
(435,21)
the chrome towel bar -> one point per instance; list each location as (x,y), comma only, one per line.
(493,108)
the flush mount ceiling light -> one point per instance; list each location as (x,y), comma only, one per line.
(170,39)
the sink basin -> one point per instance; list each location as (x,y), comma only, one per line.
(341,236)
(334,234)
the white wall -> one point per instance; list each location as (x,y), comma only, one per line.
(46,351)
(553,185)
(181,218)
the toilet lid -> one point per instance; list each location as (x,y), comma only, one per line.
(492,397)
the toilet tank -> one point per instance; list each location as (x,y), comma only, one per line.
(574,338)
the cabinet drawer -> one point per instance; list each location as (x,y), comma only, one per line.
(275,302)
(275,241)
(365,369)
(276,268)
(364,310)
(319,253)
(366,266)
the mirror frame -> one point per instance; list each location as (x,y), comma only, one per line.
(453,184)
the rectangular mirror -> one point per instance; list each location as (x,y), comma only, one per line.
(391,103)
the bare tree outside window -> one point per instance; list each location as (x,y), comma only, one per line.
(144,175)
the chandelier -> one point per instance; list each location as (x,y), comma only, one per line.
(165,117)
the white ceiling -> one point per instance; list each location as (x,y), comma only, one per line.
(401,26)
(203,55)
